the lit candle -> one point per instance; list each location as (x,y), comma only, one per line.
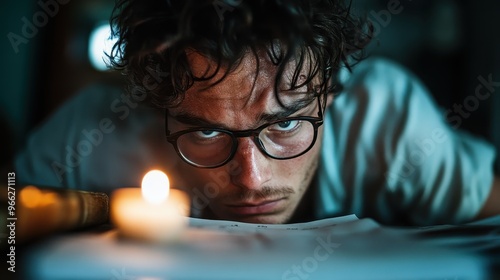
(154,212)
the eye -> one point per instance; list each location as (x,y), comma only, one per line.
(206,134)
(285,126)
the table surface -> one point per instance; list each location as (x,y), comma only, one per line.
(337,248)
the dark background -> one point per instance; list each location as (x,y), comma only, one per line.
(448,44)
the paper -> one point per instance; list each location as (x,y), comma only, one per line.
(339,248)
(231,226)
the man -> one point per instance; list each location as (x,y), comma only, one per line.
(248,91)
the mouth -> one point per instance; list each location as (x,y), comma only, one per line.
(265,207)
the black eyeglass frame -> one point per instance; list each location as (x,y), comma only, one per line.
(315,121)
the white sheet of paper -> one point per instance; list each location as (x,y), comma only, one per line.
(231,226)
(338,248)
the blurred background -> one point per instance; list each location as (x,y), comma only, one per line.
(52,48)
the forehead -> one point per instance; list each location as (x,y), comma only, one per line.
(247,90)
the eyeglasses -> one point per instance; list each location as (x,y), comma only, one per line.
(208,147)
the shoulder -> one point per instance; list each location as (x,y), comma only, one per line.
(377,85)
(381,76)
(372,67)
(99,132)
(381,87)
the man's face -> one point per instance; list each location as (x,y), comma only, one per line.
(252,187)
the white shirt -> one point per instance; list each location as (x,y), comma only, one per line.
(387,151)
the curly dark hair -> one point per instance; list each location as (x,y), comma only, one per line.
(153,36)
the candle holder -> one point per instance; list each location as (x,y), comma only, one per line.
(151,213)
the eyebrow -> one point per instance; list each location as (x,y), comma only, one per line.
(191,119)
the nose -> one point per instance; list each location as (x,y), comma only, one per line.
(252,169)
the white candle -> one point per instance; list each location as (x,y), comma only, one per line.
(153,212)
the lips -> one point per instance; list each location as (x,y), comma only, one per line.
(257,208)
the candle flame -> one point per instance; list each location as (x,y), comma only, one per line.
(155,187)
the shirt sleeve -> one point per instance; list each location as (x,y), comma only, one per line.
(391,154)
(99,140)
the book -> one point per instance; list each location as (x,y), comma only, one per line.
(33,212)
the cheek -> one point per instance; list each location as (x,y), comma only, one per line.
(206,182)
(289,170)
(306,165)
(203,188)
(194,177)
(297,171)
